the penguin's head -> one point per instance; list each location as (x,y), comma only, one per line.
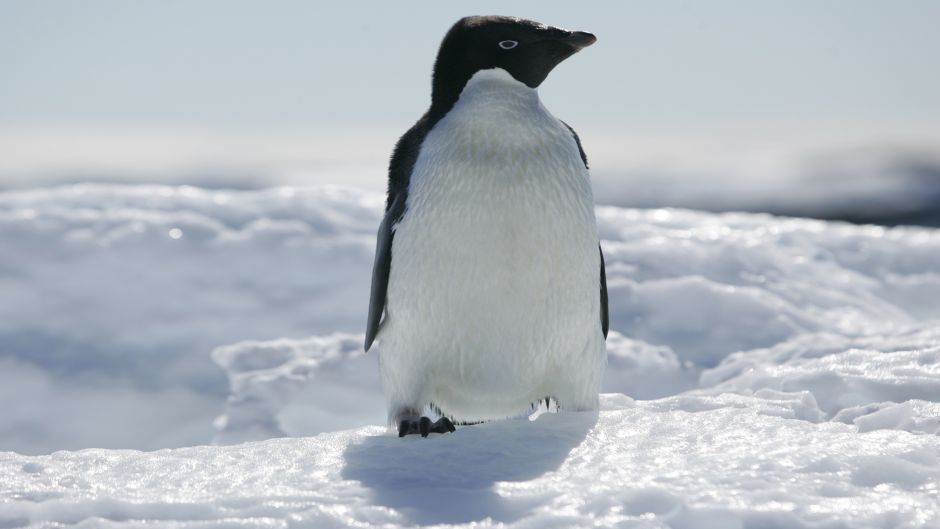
(527,50)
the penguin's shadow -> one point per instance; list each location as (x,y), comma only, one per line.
(450,478)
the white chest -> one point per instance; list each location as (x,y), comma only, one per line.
(495,264)
(500,174)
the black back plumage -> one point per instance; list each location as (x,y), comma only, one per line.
(399,175)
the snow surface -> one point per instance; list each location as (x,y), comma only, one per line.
(683,462)
(790,370)
(113,297)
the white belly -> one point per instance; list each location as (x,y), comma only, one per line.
(493,296)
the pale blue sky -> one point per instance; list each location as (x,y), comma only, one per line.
(238,93)
(664,66)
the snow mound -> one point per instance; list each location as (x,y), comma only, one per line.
(113,296)
(302,387)
(677,462)
(327,380)
(872,382)
(707,286)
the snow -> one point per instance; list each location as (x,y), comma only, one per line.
(677,462)
(862,180)
(104,310)
(864,174)
(328,382)
(763,372)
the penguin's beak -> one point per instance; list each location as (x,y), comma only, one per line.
(579,39)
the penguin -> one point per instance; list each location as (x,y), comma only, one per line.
(489,292)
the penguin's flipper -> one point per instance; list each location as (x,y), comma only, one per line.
(577,140)
(381,268)
(402,163)
(605,317)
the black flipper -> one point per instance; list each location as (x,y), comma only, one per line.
(578,141)
(381,268)
(605,317)
(399,176)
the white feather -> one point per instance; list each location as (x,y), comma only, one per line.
(493,296)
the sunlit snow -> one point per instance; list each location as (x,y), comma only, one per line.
(786,374)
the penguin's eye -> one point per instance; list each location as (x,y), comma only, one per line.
(508,44)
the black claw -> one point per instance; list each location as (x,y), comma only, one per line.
(424,426)
(406,427)
(443,425)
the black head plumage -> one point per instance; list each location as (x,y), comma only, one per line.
(526,49)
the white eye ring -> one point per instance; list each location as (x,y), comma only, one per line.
(508,44)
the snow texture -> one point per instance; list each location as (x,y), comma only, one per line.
(682,462)
(790,371)
(113,297)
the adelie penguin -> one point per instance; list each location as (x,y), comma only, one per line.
(488,289)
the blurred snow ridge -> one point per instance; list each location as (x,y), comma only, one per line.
(266,376)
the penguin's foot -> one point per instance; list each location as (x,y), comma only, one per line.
(424,426)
